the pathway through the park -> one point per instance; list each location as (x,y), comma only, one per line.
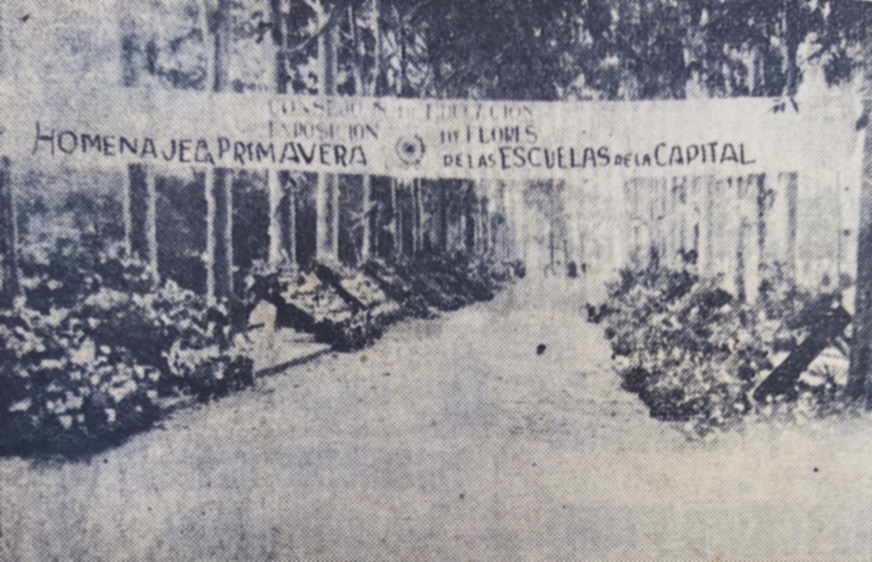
(450,439)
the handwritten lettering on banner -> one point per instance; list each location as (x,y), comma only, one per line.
(429,138)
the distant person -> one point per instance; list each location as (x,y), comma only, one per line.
(572,270)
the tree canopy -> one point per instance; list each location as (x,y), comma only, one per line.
(528,49)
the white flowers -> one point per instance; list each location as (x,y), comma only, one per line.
(21,406)
(121,387)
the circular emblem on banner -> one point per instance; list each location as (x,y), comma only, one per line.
(411,150)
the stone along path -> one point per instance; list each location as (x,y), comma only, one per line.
(450,439)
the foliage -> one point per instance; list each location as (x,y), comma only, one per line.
(694,353)
(350,309)
(64,393)
(86,357)
(59,273)
(512,49)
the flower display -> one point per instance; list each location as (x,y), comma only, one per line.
(694,353)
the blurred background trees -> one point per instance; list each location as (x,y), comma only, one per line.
(507,49)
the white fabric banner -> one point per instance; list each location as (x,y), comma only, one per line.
(432,138)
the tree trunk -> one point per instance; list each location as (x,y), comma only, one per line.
(222,46)
(365,88)
(791,193)
(417,216)
(749,238)
(762,209)
(706,226)
(279,35)
(859,383)
(223,196)
(372,219)
(126,213)
(132,55)
(366,217)
(219,191)
(467,215)
(397,208)
(138,192)
(208,182)
(151,219)
(274,189)
(792,41)
(282,219)
(290,209)
(375,23)
(442,215)
(282,197)
(203,22)
(10,287)
(327,198)
(142,236)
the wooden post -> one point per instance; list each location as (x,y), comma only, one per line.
(859,383)
(10,287)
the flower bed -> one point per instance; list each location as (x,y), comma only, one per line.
(693,353)
(350,309)
(96,350)
(88,359)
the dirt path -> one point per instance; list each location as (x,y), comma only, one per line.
(450,439)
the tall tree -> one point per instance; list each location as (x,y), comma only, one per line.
(9,283)
(860,374)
